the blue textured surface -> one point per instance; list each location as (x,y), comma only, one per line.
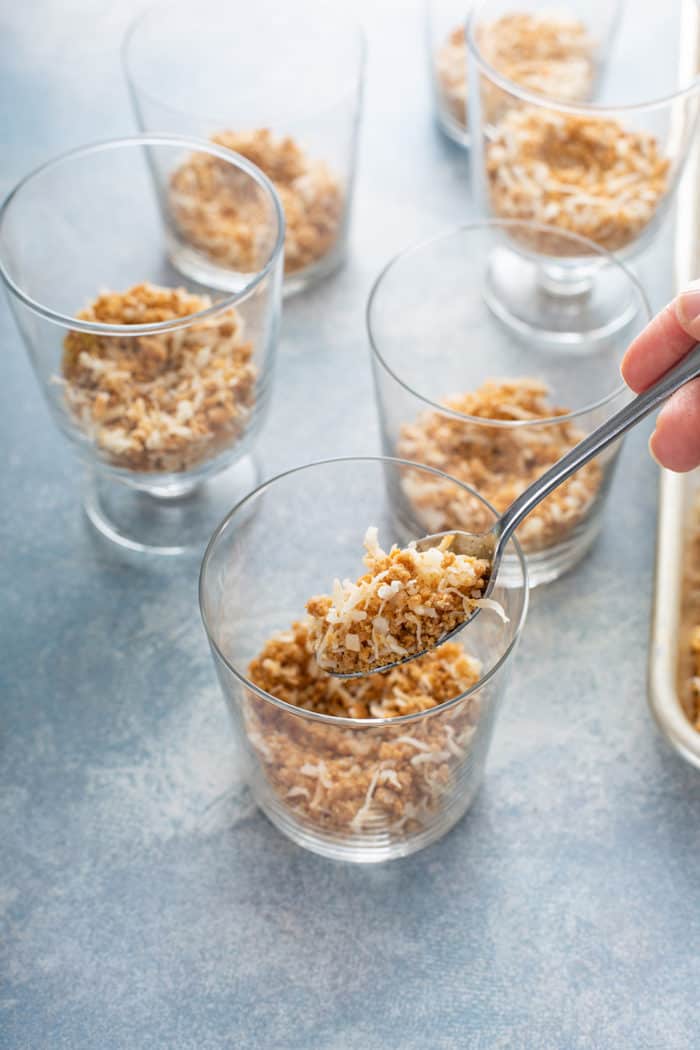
(143,901)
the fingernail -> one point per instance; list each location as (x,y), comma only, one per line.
(653,455)
(688,308)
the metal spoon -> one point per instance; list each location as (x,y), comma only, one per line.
(491,545)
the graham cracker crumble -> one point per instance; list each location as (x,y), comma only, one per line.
(219,212)
(583,175)
(406,602)
(549,54)
(498,462)
(161,402)
(352,780)
(689,658)
(693,684)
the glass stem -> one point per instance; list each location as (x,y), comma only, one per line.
(176,490)
(565,282)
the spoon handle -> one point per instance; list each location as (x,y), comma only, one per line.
(612,429)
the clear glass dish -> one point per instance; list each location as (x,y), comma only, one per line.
(605,168)
(447,65)
(559,50)
(349,788)
(437,341)
(160,391)
(280,84)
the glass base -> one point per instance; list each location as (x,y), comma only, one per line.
(178,521)
(196,267)
(454,131)
(558,304)
(193,265)
(365,848)
(316,272)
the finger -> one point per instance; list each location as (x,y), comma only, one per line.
(662,344)
(676,441)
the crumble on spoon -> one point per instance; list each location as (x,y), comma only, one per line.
(405,604)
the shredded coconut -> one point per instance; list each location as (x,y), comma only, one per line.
(388,776)
(359,818)
(412,741)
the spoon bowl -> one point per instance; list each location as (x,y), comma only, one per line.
(484,545)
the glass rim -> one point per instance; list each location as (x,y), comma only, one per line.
(337,720)
(453,231)
(104,145)
(352,85)
(581,109)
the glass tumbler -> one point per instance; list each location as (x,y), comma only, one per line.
(280,84)
(490,406)
(560,52)
(160,387)
(604,168)
(358,789)
(447,65)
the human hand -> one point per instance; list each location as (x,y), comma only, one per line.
(674,331)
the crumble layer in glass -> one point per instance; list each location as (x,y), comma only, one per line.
(499,462)
(340,779)
(221,212)
(160,402)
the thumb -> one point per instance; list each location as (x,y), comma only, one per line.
(665,341)
(687,307)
